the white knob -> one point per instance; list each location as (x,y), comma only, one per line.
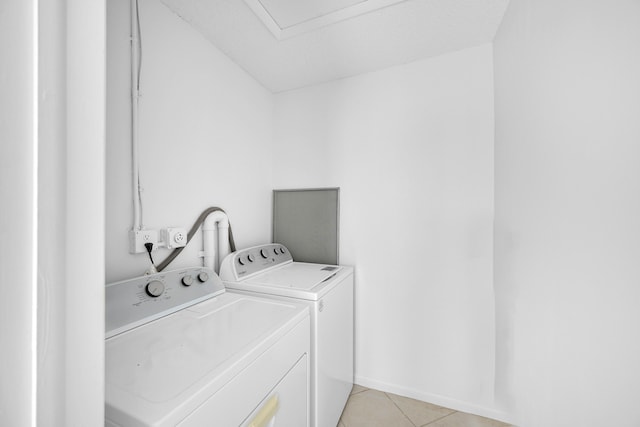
(187,280)
(263,253)
(251,258)
(155,288)
(203,277)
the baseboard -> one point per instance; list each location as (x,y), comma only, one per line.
(435,399)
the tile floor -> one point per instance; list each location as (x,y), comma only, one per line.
(373,408)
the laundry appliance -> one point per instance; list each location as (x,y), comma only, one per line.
(269,270)
(180,351)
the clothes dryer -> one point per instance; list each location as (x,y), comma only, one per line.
(270,271)
(181,351)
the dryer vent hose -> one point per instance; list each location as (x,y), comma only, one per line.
(194,228)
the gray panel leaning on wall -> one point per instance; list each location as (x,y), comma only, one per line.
(307,222)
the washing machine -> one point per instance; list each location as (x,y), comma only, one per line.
(181,351)
(270,271)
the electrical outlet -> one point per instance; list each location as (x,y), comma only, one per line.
(137,239)
(174,237)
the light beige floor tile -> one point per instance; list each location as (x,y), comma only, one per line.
(460,419)
(357,389)
(420,413)
(341,424)
(372,408)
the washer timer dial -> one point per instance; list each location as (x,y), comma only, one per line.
(155,288)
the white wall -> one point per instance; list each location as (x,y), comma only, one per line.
(205,133)
(17,215)
(411,148)
(52,211)
(51,178)
(568,212)
(84,200)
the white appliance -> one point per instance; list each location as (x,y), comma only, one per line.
(269,270)
(182,351)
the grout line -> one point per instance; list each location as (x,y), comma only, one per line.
(406,416)
(400,409)
(358,392)
(435,421)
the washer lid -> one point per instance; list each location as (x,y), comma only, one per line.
(297,275)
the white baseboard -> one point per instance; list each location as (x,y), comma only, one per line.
(435,399)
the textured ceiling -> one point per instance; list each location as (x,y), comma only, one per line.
(337,47)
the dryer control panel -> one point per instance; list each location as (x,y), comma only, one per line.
(247,262)
(134,302)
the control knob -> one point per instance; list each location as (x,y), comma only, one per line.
(251,258)
(187,280)
(155,288)
(263,253)
(203,276)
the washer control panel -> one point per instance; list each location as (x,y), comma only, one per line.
(250,261)
(131,303)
